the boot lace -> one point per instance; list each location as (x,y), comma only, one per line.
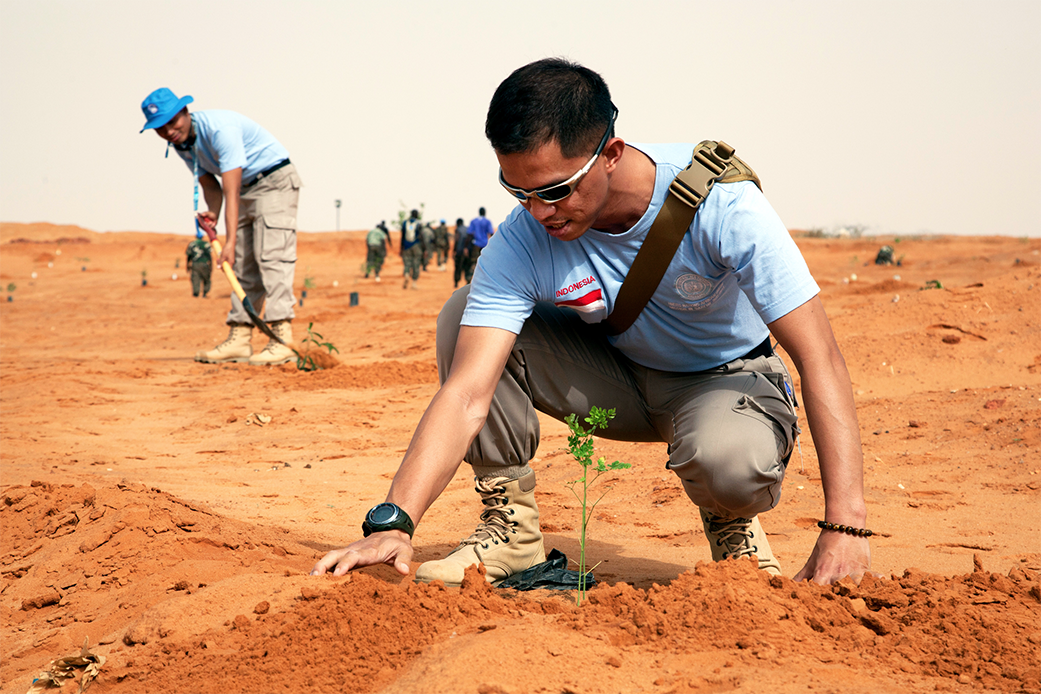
(232,337)
(272,344)
(495,525)
(733,533)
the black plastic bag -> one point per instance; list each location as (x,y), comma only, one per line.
(551,574)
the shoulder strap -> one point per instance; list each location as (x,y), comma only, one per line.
(712,161)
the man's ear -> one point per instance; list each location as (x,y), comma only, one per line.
(613,152)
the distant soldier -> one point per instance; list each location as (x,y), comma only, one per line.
(200,265)
(376,241)
(411,249)
(461,254)
(426,232)
(441,245)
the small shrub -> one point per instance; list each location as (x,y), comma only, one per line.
(580,445)
(306,361)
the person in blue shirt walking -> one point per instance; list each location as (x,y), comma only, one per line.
(696,370)
(242,169)
(481,230)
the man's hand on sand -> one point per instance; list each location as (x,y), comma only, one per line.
(392,547)
(835,556)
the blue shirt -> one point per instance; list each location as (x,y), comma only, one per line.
(480,228)
(736,270)
(227,140)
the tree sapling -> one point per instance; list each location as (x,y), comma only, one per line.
(305,356)
(580,445)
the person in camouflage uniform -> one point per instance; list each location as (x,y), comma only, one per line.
(463,243)
(441,245)
(411,249)
(426,233)
(200,265)
(376,241)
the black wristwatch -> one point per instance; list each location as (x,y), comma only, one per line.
(387,516)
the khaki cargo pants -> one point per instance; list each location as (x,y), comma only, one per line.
(265,246)
(730,430)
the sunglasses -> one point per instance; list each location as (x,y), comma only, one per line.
(558,191)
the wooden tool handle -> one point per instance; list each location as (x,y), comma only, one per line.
(228,272)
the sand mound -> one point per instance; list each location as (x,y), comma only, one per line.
(43,232)
(84,562)
(709,627)
(315,359)
(73,550)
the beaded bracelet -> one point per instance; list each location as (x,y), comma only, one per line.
(860,532)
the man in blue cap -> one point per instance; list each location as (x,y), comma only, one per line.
(239,166)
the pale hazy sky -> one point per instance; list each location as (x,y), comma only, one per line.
(906,116)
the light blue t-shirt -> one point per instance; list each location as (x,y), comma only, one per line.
(227,140)
(736,270)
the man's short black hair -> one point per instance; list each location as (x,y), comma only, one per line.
(549,100)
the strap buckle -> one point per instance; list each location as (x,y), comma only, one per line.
(707,166)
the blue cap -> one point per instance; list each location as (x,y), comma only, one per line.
(160,106)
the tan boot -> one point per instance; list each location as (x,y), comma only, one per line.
(507,541)
(235,348)
(739,537)
(275,353)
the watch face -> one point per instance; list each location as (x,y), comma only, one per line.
(383,514)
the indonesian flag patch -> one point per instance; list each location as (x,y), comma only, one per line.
(581,296)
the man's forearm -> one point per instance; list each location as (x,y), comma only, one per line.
(231,222)
(232,183)
(827,393)
(212,194)
(438,445)
(832,417)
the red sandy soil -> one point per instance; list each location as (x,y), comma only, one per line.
(146,511)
